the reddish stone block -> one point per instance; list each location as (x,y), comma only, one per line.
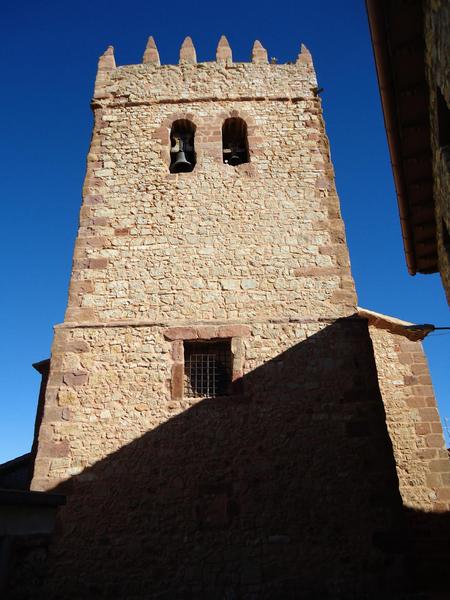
(82,287)
(436,427)
(434,480)
(91,200)
(122,232)
(445,478)
(78,289)
(80,264)
(423,390)
(343,296)
(440,465)
(180,333)
(427,453)
(98,263)
(98,241)
(178,351)
(52,413)
(80,315)
(430,401)
(51,394)
(422,428)
(234,331)
(85,212)
(429,414)
(316,272)
(177,381)
(405,358)
(443,453)
(443,494)
(78,346)
(100,221)
(206,332)
(434,440)
(54,449)
(419,369)
(415,402)
(75,378)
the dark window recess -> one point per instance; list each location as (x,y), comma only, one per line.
(207,369)
(443,115)
(182,146)
(235,142)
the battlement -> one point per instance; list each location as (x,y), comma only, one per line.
(151,82)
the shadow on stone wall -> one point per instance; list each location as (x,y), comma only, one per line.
(286,491)
(428,557)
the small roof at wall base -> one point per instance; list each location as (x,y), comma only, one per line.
(392,324)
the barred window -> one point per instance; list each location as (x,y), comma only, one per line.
(207,369)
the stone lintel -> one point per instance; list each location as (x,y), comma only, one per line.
(206,332)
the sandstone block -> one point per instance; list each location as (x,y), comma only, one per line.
(75,378)
(177,381)
(440,465)
(54,449)
(181,333)
(443,494)
(434,440)
(98,263)
(93,200)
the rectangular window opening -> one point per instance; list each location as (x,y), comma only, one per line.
(207,368)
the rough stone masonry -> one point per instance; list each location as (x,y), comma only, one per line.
(306,479)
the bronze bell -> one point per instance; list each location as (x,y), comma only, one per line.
(181,164)
(234,159)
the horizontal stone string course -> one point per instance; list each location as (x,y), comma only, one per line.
(145,323)
(380,321)
(129,104)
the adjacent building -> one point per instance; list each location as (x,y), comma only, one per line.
(411,42)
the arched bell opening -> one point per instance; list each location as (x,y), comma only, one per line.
(182,146)
(235,142)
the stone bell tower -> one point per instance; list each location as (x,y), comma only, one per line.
(213,411)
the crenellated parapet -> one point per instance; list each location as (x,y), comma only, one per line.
(223,78)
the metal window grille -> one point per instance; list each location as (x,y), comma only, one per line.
(207,369)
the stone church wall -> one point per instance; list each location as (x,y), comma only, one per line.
(285,489)
(293,485)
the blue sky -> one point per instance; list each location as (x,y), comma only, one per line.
(49,59)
